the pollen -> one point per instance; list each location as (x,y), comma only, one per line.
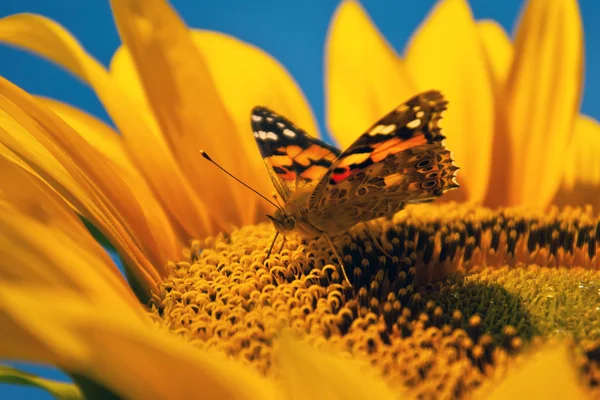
(461,292)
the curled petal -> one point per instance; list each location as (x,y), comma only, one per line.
(62,158)
(149,150)
(43,242)
(159,237)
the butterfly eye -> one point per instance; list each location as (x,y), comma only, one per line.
(429,184)
(289,223)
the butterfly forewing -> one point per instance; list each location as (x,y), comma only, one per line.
(296,161)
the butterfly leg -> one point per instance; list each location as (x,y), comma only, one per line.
(282,244)
(337,255)
(272,244)
(375,240)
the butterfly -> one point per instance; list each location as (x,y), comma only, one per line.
(399,160)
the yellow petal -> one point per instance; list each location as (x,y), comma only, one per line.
(144,144)
(581,183)
(260,80)
(159,238)
(128,355)
(79,174)
(583,164)
(18,344)
(60,390)
(44,245)
(187,106)
(43,242)
(364,79)
(445,53)
(309,373)
(543,94)
(498,50)
(549,374)
(98,134)
(499,54)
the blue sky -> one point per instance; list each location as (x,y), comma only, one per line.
(293,32)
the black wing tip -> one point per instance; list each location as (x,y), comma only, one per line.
(259,108)
(432,94)
(262,111)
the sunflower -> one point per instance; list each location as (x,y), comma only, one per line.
(464,301)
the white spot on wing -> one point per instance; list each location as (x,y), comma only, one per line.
(382,129)
(289,133)
(256,118)
(415,123)
(271,136)
(262,135)
(388,129)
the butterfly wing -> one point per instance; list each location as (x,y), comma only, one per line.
(400,159)
(295,161)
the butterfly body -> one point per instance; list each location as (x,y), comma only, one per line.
(400,160)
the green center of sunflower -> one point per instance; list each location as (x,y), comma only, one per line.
(461,289)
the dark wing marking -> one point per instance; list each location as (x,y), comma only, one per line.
(295,160)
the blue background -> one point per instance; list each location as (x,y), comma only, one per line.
(293,32)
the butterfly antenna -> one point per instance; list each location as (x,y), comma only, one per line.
(231,175)
(337,255)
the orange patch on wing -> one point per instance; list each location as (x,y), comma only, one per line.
(330,157)
(314,152)
(340,176)
(284,173)
(313,172)
(351,159)
(396,145)
(293,150)
(288,176)
(278,161)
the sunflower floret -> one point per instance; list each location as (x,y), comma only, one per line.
(463,290)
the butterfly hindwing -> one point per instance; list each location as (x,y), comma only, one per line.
(400,159)
(295,161)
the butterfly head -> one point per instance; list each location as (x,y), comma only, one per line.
(284,223)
